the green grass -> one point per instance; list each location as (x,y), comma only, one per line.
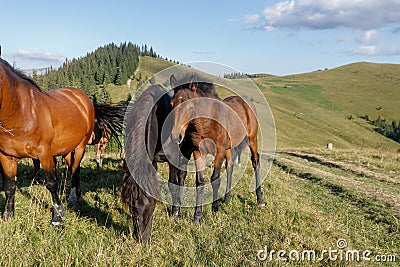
(307,92)
(304,210)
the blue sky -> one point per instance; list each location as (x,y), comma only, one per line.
(276,37)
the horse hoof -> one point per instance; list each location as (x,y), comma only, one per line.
(56,220)
(8,215)
(215,208)
(196,220)
(58,213)
(175,212)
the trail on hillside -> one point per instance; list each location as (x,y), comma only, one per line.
(344,179)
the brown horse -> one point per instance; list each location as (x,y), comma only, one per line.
(100,139)
(99,143)
(217,128)
(42,125)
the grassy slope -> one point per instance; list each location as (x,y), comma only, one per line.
(304,211)
(147,67)
(313,109)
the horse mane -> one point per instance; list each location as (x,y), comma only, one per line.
(205,87)
(141,140)
(5,65)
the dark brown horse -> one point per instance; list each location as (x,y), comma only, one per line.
(42,125)
(145,145)
(217,127)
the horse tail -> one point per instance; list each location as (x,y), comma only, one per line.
(140,141)
(109,118)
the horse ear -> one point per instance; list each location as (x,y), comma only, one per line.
(193,84)
(172,81)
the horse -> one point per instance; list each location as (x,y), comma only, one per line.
(100,138)
(100,147)
(218,127)
(145,146)
(41,125)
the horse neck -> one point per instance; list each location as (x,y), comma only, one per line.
(202,123)
(11,93)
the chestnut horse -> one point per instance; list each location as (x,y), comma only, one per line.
(218,127)
(42,125)
(100,140)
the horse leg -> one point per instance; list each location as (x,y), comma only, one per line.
(2,177)
(229,155)
(174,189)
(102,149)
(48,165)
(200,161)
(9,172)
(36,165)
(215,181)
(177,182)
(256,166)
(98,156)
(75,161)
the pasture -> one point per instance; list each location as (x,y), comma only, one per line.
(313,198)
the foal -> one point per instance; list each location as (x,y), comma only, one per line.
(218,127)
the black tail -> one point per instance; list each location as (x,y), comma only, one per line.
(111,118)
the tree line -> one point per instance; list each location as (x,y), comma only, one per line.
(390,129)
(109,64)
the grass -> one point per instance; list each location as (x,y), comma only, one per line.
(304,211)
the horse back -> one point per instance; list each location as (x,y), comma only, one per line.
(245,110)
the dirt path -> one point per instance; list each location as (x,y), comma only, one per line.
(337,182)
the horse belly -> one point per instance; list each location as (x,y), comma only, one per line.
(72,120)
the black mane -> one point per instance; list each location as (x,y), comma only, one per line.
(204,86)
(4,64)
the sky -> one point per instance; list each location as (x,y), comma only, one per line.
(275,37)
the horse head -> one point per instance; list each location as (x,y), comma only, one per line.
(184,111)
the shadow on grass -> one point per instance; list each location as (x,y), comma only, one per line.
(92,181)
(371,208)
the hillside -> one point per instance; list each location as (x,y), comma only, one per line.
(315,108)
(361,88)
(146,68)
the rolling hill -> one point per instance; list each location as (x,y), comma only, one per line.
(315,108)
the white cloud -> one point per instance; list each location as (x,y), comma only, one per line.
(372,50)
(39,56)
(322,14)
(368,50)
(369,37)
(251,18)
